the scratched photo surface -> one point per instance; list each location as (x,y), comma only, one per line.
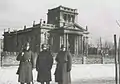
(70,41)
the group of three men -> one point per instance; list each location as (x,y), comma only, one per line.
(44,64)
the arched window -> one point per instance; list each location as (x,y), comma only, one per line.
(69,18)
(65,17)
(72,18)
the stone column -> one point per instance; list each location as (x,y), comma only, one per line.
(67,44)
(83,45)
(64,40)
(75,47)
(80,44)
(77,44)
(61,40)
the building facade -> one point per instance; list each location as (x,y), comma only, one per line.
(61,28)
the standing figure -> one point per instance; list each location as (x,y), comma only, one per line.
(63,68)
(44,65)
(26,65)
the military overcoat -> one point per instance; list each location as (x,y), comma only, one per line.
(63,68)
(43,66)
(25,67)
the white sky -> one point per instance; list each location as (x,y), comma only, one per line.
(99,15)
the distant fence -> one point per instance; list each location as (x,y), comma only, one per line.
(9,59)
(93,59)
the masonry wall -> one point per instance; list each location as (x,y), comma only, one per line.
(54,17)
(44,36)
(56,42)
(14,43)
(10,42)
(9,58)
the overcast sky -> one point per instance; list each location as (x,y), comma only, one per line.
(99,15)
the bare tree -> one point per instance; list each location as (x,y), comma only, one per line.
(118,23)
(99,45)
(107,46)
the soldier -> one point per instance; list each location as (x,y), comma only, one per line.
(63,68)
(44,65)
(26,65)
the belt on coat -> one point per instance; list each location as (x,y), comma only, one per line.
(27,60)
(63,62)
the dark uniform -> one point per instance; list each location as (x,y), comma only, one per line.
(63,68)
(43,66)
(25,66)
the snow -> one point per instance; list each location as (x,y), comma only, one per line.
(80,74)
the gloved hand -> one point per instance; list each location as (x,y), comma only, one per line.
(68,69)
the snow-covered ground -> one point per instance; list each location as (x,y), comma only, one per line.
(80,74)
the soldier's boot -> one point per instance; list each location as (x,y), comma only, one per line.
(48,82)
(21,83)
(59,82)
(42,82)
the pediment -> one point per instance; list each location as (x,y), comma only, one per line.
(74,26)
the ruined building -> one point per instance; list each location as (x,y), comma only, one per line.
(60,28)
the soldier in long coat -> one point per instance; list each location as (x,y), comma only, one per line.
(26,65)
(44,65)
(63,68)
